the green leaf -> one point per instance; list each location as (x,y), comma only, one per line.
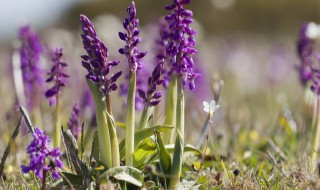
(75,180)
(187,148)
(120,125)
(141,135)
(164,156)
(177,162)
(95,147)
(144,153)
(124,173)
(102,124)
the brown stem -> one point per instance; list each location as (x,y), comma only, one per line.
(44,180)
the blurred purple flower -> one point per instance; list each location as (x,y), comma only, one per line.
(132,39)
(305,51)
(32,72)
(181,41)
(152,96)
(96,59)
(42,158)
(160,50)
(56,75)
(73,122)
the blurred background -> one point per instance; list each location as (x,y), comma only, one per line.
(250,44)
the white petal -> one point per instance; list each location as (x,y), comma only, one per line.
(212,104)
(206,109)
(312,31)
(205,104)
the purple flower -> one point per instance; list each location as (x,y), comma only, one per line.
(181,41)
(132,39)
(305,51)
(96,59)
(30,52)
(42,158)
(152,96)
(132,53)
(73,122)
(160,50)
(57,76)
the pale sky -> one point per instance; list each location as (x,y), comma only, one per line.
(37,13)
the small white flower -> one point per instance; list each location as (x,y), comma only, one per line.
(313,31)
(210,108)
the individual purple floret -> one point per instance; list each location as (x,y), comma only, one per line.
(96,59)
(42,158)
(32,72)
(73,122)
(181,41)
(152,96)
(132,39)
(57,76)
(304,49)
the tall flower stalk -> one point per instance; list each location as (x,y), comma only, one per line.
(180,48)
(56,76)
(31,69)
(101,85)
(309,71)
(133,55)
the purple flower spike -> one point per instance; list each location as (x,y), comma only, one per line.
(132,39)
(30,52)
(42,158)
(160,50)
(96,59)
(305,51)
(73,122)
(152,96)
(181,41)
(56,75)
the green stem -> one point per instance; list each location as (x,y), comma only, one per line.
(130,120)
(171,106)
(102,125)
(180,107)
(315,142)
(57,137)
(144,117)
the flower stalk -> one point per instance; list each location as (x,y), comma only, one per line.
(316,139)
(130,124)
(57,137)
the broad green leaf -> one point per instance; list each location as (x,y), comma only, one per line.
(141,135)
(144,153)
(124,173)
(164,156)
(102,124)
